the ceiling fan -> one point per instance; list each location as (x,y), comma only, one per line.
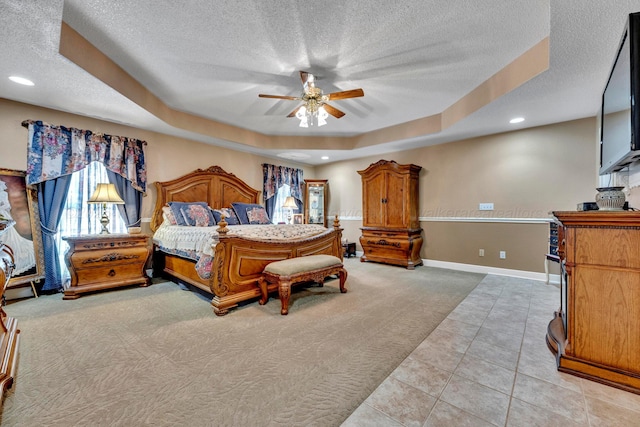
(315,107)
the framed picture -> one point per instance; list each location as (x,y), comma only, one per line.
(20,204)
(298,219)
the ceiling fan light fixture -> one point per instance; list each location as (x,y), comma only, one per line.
(301,113)
(312,113)
(322,116)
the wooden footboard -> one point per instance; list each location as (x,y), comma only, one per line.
(238,263)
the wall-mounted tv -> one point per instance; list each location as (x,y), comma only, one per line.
(620,115)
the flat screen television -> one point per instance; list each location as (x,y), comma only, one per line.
(620,115)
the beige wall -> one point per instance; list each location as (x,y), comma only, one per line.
(524,173)
(167,157)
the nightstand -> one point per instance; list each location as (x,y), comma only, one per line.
(105,261)
(349,249)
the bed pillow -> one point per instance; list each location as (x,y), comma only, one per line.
(258,215)
(197,215)
(241,211)
(228,213)
(168,214)
(176,208)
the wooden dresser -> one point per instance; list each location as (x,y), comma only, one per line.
(105,261)
(9,332)
(391,230)
(596,332)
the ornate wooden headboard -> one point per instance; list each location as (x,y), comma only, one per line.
(213,185)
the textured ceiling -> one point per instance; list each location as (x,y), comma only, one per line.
(414,59)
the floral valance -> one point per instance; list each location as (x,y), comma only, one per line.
(276,176)
(54,151)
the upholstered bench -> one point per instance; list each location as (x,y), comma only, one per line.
(311,268)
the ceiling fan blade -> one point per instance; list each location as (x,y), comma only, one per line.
(354,93)
(333,111)
(292,98)
(293,113)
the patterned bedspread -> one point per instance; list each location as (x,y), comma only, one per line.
(197,243)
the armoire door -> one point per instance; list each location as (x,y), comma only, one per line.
(395,206)
(373,200)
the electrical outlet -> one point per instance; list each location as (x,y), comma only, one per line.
(481,252)
(503,255)
(485,206)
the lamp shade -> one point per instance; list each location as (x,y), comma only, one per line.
(106,193)
(290,203)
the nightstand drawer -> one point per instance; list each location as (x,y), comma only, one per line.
(93,259)
(109,273)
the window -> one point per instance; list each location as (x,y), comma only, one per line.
(281,214)
(79,217)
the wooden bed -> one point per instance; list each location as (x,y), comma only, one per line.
(238,262)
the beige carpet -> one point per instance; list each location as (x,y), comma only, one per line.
(159,356)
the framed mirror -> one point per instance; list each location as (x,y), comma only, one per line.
(315,201)
(20,204)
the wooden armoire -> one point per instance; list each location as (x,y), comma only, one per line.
(391,230)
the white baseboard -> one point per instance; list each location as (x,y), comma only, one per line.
(483,269)
(471,268)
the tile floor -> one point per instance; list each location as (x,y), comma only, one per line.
(487,364)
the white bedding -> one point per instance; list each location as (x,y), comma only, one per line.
(201,240)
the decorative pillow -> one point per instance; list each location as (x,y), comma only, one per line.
(241,211)
(258,216)
(228,213)
(197,215)
(168,214)
(177,212)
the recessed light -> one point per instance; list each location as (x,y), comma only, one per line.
(325,157)
(516,120)
(21,80)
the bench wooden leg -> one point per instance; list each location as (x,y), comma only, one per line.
(284,291)
(343,279)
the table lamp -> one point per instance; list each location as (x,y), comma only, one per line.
(105,193)
(290,204)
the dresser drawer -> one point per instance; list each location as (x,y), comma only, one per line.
(378,252)
(379,234)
